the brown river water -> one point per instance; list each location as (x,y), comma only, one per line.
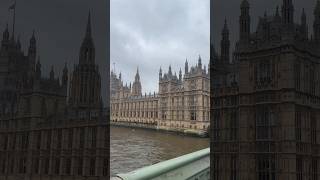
(135,148)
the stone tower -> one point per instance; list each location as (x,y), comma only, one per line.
(136,86)
(86,81)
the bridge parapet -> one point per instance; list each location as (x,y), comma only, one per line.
(193,166)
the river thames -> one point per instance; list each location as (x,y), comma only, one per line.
(135,148)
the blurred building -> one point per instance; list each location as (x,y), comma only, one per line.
(266,99)
(51,128)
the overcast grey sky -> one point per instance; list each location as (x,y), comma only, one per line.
(60,27)
(153,33)
(230,9)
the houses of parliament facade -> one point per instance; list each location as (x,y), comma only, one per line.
(265,107)
(181,104)
(51,128)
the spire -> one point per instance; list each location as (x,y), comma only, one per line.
(52,73)
(18,43)
(287,12)
(225,27)
(38,68)
(316,23)
(170,71)
(87,50)
(32,46)
(199,62)
(186,68)
(225,43)
(245,4)
(137,77)
(180,75)
(160,73)
(6,34)
(88,32)
(65,75)
(245,21)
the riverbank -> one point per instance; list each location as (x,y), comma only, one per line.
(187,132)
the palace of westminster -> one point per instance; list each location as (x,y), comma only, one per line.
(182,103)
(265,101)
(51,128)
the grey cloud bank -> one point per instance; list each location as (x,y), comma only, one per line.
(153,33)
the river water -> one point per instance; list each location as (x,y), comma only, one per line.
(135,148)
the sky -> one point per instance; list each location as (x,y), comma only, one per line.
(60,27)
(151,33)
(230,10)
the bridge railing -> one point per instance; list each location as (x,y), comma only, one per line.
(193,166)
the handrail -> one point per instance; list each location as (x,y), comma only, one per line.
(161,168)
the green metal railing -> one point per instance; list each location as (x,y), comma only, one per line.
(193,166)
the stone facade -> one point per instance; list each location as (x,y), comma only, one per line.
(182,103)
(266,101)
(44,132)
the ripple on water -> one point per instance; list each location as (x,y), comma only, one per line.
(132,149)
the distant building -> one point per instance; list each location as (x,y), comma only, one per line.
(44,132)
(182,103)
(266,99)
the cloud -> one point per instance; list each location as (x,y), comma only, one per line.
(153,33)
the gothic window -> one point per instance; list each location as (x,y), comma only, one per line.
(297,70)
(59,139)
(233,125)
(80,164)
(70,138)
(266,167)
(233,168)
(264,123)
(36,165)
(216,168)
(299,168)
(94,137)
(105,167)
(25,141)
(92,166)
(68,165)
(193,115)
(314,169)
(38,139)
(48,139)
(46,165)
(82,138)
(57,165)
(264,73)
(216,125)
(298,125)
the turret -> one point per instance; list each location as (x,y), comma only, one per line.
(225,44)
(199,62)
(52,74)
(38,69)
(65,75)
(5,38)
(304,26)
(244,21)
(18,43)
(316,23)
(186,68)
(160,74)
(287,12)
(87,50)
(32,51)
(170,71)
(277,16)
(180,75)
